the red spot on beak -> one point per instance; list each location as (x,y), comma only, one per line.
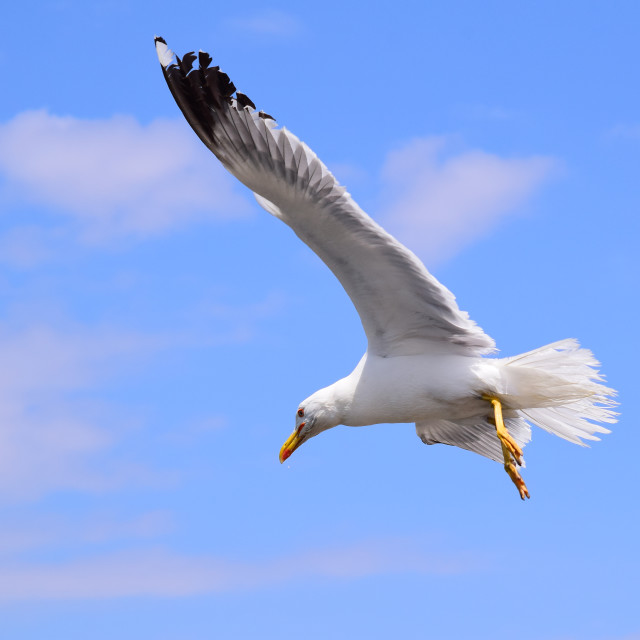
(292,443)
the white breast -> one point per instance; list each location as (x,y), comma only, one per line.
(409,388)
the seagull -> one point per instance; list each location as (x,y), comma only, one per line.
(426,360)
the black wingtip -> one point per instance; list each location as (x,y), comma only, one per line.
(159,39)
(203,94)
(204,59)
(187,62)
(244,100)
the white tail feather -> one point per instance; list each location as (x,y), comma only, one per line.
(558,388)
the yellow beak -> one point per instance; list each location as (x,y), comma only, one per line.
(292,443)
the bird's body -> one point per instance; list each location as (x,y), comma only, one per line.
(408,389)
(426,361)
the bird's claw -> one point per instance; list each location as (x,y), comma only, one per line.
(516,478)
(510,445)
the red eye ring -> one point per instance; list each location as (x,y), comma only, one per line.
(301,413)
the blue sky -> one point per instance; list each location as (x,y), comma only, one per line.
(158,329)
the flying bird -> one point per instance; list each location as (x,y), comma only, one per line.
(426,360)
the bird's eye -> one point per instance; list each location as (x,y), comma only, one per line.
(301,413)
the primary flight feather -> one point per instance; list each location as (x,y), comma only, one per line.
(425,361)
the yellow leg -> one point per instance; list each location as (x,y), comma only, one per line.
(511,452)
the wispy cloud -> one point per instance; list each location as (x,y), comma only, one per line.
(26,247)
(43,531)
(439,203)
(194,433)
(57,431)
(270,22)
(632,636)
(41,358)
(116,176)
(211,307)
(160,572)
(52,433)
(628,131)
(113,176)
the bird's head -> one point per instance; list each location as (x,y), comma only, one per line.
(315,415)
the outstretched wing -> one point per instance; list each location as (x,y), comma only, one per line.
(403,308)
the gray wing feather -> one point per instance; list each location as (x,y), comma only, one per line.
(476,435)
(403,308)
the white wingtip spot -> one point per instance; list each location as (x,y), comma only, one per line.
(165,55)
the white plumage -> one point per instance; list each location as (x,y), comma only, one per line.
(426,359)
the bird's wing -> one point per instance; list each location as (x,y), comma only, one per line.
(474,435)
(403,308)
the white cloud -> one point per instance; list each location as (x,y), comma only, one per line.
(440,204)
(269,22)
(194,433)
(115,175)
(210,307)
(41,531)
(632,636)
(625,131)
(159,572)
(40,358)
(50,436)
(25,247)
(57,432)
